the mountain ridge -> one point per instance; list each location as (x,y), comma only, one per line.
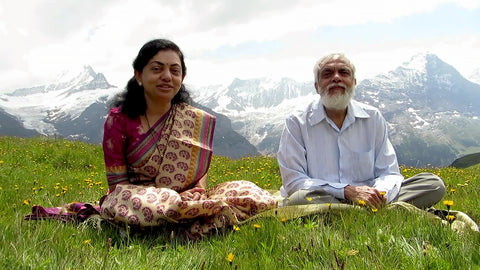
(432,111)
(419,99)
(75,107)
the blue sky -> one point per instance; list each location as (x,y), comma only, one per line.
(227,39)
(445,20)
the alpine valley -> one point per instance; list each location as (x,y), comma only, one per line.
(433,112)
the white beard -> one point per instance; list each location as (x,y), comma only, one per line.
(337,101)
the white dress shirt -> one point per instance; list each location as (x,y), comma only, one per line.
(314,153)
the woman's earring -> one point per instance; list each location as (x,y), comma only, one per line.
(140,83)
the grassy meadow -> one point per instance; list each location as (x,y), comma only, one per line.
(52,172)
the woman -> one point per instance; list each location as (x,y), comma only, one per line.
(157,152)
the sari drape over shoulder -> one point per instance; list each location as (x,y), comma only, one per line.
(174,153)
(162,162)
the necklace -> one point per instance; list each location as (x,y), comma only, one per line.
(148,123)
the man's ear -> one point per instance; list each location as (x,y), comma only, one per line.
(316,88)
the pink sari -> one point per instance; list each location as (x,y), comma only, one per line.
(170,158)
(174,153)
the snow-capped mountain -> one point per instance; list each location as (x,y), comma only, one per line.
(258,107)
(53,108)
(75,107)
(433,112)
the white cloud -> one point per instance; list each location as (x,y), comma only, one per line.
(43,37)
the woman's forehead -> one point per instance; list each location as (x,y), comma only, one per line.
(166,57)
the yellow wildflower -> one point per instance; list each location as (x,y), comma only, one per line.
(450,218)
(361,202)
(26,201)
(309,199)
(329,205)
(230,257)
(383,193)
(257,226)
(86,242)
(284,220)
(374,210)
(448,203)
(236,228)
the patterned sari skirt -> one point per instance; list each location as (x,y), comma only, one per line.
(224,205)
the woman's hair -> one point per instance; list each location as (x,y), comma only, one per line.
(132,99)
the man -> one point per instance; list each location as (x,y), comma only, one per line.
(337,150)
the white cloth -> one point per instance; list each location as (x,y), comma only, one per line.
(314,153)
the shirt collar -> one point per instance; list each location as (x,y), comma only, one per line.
(317,112)
(357,110)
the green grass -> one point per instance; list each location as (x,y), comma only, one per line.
(52,172)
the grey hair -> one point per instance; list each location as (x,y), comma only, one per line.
(327,58)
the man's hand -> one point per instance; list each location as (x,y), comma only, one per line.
(369,195)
